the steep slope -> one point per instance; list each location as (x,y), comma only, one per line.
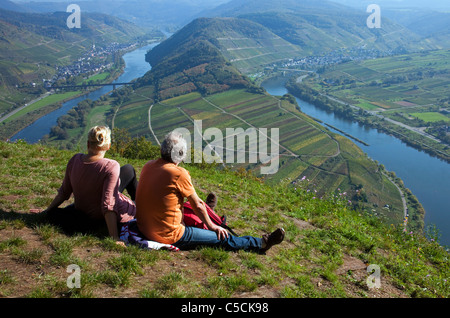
(100,28)
(246,44)
(193,58)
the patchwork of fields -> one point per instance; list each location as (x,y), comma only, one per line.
(310,155)
(392,83)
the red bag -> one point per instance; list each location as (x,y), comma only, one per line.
(191,219)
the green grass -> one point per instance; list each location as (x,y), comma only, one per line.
(97,77)
(431,116)
(325,238)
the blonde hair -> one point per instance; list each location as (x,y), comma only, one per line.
(99,138)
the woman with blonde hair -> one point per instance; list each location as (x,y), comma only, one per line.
(97,184)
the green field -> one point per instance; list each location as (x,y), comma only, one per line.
(324,254)
(431,117)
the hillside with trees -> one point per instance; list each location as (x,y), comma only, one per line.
(192,61)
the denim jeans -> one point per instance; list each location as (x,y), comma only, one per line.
(194,237)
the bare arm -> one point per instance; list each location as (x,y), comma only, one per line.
(64,191)
(57,201)
(200,210)
(111,223)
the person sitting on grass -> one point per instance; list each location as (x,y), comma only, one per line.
(160,194)
(97,184)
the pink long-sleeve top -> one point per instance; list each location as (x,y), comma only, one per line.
(95,187)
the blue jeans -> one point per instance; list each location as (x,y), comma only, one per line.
(194,237)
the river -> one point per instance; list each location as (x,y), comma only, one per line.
(427,177)
(135,67)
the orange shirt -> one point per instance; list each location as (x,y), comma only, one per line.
(160,195)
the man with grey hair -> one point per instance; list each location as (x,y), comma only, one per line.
(162,187)
(174,148)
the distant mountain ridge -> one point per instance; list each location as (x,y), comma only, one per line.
(321,26)
(9,5)
(53,25)
(145,13)
(239,7)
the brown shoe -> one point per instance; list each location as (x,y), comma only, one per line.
(211,200)
(269,240)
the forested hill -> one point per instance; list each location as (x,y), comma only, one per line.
(191,60)
(210,54)
(209,29)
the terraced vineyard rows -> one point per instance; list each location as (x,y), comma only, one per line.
(308,152)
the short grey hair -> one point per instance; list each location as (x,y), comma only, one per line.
(174,148)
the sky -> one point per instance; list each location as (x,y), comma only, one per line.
(441,5)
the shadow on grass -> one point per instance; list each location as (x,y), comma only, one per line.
(29,219)
(32,220)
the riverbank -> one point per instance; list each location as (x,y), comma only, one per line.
(11,128)
(348,135)
(377,121)
(50,102)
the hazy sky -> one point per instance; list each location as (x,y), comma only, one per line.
(429,4)
(432,4)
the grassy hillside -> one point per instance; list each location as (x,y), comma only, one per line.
(326,252)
